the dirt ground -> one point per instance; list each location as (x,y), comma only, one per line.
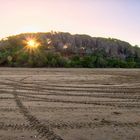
(69,104)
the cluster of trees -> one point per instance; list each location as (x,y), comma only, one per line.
(18,58)
(95,61)
(66,50)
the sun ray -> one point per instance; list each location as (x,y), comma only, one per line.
(31,44)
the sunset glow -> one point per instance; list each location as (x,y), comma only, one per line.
(99,18)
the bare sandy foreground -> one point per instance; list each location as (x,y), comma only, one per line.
(69,104)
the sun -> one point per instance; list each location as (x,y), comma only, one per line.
(32,43)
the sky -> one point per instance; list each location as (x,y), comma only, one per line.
(99,18)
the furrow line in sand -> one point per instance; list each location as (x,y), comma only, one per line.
(44,131)
(71,125)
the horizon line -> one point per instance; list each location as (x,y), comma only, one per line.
(20,33)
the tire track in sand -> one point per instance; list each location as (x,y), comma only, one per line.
(44,131)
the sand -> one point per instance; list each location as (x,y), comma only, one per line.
(69,104)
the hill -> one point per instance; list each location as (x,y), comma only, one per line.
(57,49)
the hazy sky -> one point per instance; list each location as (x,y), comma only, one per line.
(105,18)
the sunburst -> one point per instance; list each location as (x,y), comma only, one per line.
(31,44)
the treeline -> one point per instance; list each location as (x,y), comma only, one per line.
(16,57)
(66,50)
(95,61)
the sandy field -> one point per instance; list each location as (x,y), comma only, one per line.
(69,104)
